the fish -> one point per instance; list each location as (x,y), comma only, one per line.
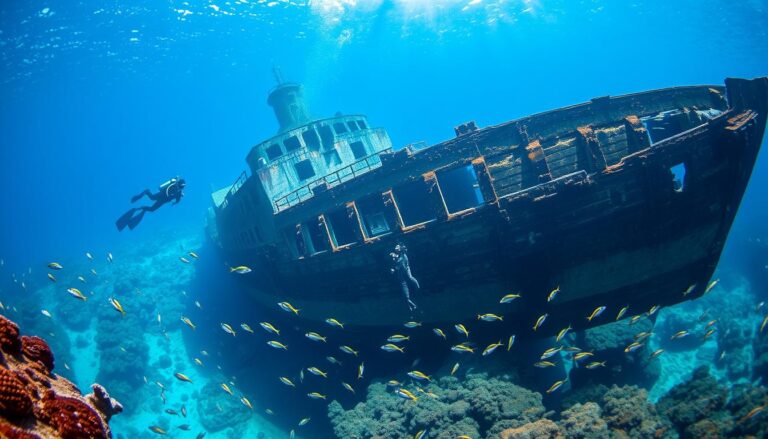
(333,322)
(246,327)
(656,353)
(553,294)
(454,369)
(510,342)
(509,298)
(653,310)
(314,336)
(188,322)
(184,260)
(761,304)
(93,272)
(635,319)
(159,319)
(348,387)
(421,435)
(269,412)
(194,255)
(397,338)
(117,305)
(269,328)
(183,410)
(172,412)
(287,381)
(277,345)
(77,294)
(287,307)
(411,325)
(181,377)
(405,394)
(752,413)
(550,352)
(184,427)
(595,365)
(55,266)
(689,290)
(596,313)
(228,329)
(394,383)
(419,376)
(633,347)
(562,333)
(763,324)
(226,388)
(389,347)
(462,348)
(315,371)
(46,313)
(582,355)
(643,335)
(439,332)
(540,321)
(711,285)
(201,435)
(158,430)
(556,386)
(711,323)
(679,334)
(544,364)
(51,277)
(197,304)
(316,395)
(360,371)
(333,360)
(81,279)
(241,269)
(348,350)
(110,258)
(292,434)
(490,318)
(301,375)
(304,422)
(89,256)
(709,333)
(461,329)
(491,348)
(246,402)
(621,313)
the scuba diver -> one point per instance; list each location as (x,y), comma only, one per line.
(402,269)
(172,189)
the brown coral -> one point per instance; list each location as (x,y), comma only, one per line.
(36,349)
(74,419)
(14,397)
(8,431)
(9,336)
(541,429)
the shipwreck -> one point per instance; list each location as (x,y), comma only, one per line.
(620,202)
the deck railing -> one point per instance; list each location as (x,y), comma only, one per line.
(337,177)
(233,189)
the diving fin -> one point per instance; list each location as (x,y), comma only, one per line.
(123,220)
(134,221)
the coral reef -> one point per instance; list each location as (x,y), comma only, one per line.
(218,410)
(583,421)
(34,402)
(478,406)
(627,410)
(541,429)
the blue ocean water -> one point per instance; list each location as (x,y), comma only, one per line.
(103,99)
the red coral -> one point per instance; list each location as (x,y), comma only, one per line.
(74,419)
(36,349)
(10,432)
(9,335)
(14,398)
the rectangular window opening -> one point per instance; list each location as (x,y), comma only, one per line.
(326,136)
(415,202)
(352,125)
(292,143)
(290,239)
(340,128)
(678,177)
(332,158)
(358,149)
(342,226)
(373,217)
(304,169)
(315,237)
(460,188)
(311,139)
(274,151)
(361,124)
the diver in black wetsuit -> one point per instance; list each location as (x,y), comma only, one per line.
(172,189)
(402,269)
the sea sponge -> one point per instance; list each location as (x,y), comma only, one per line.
(74,419)
(15,401)
(9,336)
(36,349)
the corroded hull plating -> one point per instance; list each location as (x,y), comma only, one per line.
(614,233)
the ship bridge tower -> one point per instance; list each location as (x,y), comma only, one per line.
(287,100)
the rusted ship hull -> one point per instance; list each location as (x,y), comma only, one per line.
(579,198)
